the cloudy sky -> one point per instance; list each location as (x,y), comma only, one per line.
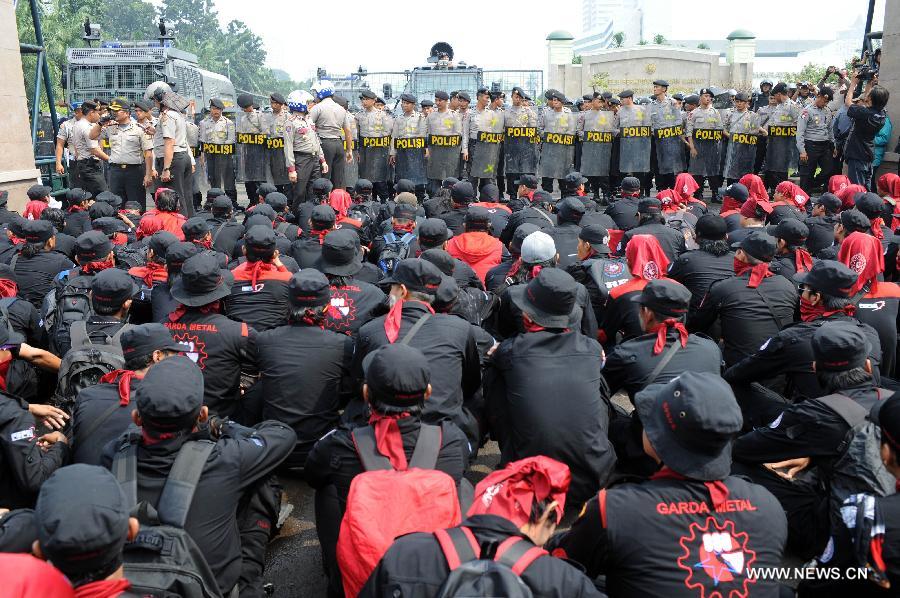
(381,36)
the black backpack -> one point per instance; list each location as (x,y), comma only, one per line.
(163,560)
(128,257)
(485,571)
(85,363)
(64,306)
(394,250)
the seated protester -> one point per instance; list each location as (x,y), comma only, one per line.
(161,301)
(101,209)
(476,247)
(218,345)
(522,502)
(681,196)
(735,195)
(462,303)
(495,279)
(152,273)
(526,185)
(321,189)
(534,212)
(754,214)
(225,230)
(12,237)
(521,418)
(538,252)
(804,450)
(36,265)
(489,198)
(109,198)
(849,194)
(653,223)
(114,229)
(83,534)
(303,350)
(102,412)
(170,411)
(259,294)
(352,300)
(196,230)
(262,190)
(645,359)
(596,269)
(39,199)
(569,212)
(461,195)
(6,215)
(397,386)
(712,261)
(755,186)
(18,531)
(443,339)
(872,206)
(825,212)
(22,316)
(432,233)
(399,242)
(25,576)
(282,243)
(683,507)
(78,219)
(790,194)
(167,212)
(111,297)
(824,298)
(308,249)
(876,301)
(624,209)
(888,187)
(741,304)
(848,222)
(791,256)
(206,209)
(646,261)
(283,217)
(65,244)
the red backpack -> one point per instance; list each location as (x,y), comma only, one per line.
(384,504)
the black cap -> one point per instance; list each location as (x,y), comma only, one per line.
(426,103)
(870,204)
(573,180)
(309,289)
(92,246)
(321,186)
(142,340)
(448,182)
(614,101)
(738,192)
(76,195)
(606,95)
(101,209)
(627,93)
(831,202)
(201,281)
(742,97)
(829,277)
(172,389)
(521,92)
(213,192)
(840,346)
(570,209)
(179,252)
(217,103)
(758,245)
(464,96)
(144,105)
(340,253)
(649,205)
(260,240)
(557,95)
(477,218)
(110,198)
(222,203)
(263,209)
(441,95)
(404,186)
(706,91)
(109,226)
(256,220)
(443,260)
(780,88)
(367,94)
(482,91)
(886,414)
(529,180)
(112,288)
(691,432)
(661,82)
(264,189)
(594,234)
(548,298)
(678,96)
(397,375)
(245,100)
(323,214)
(408,97)
(38,191)
(462,192)
(789,230)
(631,184)
(404,211)
(277,200)
(855,221)
(666,297)
(277,97)
(416,275)
(692,99)
(827,92)
(195,228)
(82,517)
(363,185)
(433,231)
(711,227)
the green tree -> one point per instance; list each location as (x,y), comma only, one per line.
(618,38)
(643,42)
(659,39)
(599,81)
(703,46)
(576,59)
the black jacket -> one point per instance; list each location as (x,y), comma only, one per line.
(77,222)
(36,274)
(352,303)
(698,270)
(624,211)
(495,279)
(161,302)
(821,232)
(671,241)
(525,372)
(599,275)
(92,403)
(455,219)
(242,457)
(565,237)
(264,305)
(225,234)
(531,214)
(415,566)
(509,317)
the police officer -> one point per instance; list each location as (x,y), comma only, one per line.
(375,127)
(703,133)
(462,107)
(170,150)
(88,152)
(63,139)
(782,136)
(519,136)
(252,144)
(634,140)
(277,120)
(217,147)
(332,124)
(713,259)
(597,128)
(446,142)
(690,511)
(408,145)
(557,126)
(815,140)
(130,153)
(302,151)
(667,157)
(742,130)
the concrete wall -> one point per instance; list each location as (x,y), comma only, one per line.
(17,170)
(889,77)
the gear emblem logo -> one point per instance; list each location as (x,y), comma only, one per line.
(195,349)
(716,557)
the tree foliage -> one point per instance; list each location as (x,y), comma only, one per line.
(619,39)
(660,40)
(703,46)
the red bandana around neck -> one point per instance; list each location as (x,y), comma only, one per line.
(877,232)
(662,330)
(204,243)
(810,312)
(212,308)
(394,319)
(718,491)
(94,267)
(123,379)
(388,439)
(757,272)
(404,228)
(255,268)
(8,288)
(152,273)
(803,261)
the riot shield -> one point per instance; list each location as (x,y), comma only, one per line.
(781,140)
(740,156)
(484,155)
(373,159)
(443,156)
(520,150)
(708,143)
(596,153)
(557,155)
(669,150)
(252,156)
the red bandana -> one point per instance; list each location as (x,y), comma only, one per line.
(320,234)
(404,228)
(662,329)
(8,288)
(862,253)
(94,267)
(260,266)
(151,273)
(123,378)
(395,317)
(802,260)
(388,439)
(718,491)
(645,258)
(810,312)
(757,272)
(204,243)
(212,308)
(511,491)
(877,223)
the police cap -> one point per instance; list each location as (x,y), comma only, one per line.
(245,100)
(521,92)
(441,95)
(482,91)
(626,93)
(408,97)
(661,83)
(144,105)
(692,99)
(706,91)
(678,96)
(780,88)
(463,97)
(426,103)
(277,98)
(119,104)
(558,95)
(606,95)
(615,101)
(367,94)
(741,97)
(217,103)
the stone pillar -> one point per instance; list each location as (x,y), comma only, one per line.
(17,169)
(889,77)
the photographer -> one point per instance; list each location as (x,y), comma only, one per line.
(867,116)
(130,152)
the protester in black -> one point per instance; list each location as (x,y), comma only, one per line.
(713,260)
(36,265)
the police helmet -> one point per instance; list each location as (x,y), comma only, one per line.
(157,91)
(298,100)
(322,89)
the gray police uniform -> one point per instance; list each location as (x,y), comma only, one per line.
(445,144)
(127,147)
(743,137)
(303,154)
(275,144)
(597,129)
(558,145)
(520,139)
(252,150)
(408,141)
(782,141)
(217,145)
(815,138)
(704,126)
(634,140)
(329,118)
(485,142)
(199,184)
(351,168)
(90,171)
(667,123)
(374,128)
(171,126)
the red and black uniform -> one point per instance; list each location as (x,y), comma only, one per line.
(352,302)
(509,318)
(259,295)
(78,220)
(624,211)
(37,273)
(147,277)
(695,538)
(698,269)
(530,214)
(94,403)
(671,241)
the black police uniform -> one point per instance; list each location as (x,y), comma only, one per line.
(698,270)
(415,566)
(94,425)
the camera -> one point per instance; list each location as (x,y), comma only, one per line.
(106,118)
(866,66)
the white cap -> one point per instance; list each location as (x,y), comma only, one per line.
(538,247)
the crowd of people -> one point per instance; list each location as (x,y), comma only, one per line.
(684,401)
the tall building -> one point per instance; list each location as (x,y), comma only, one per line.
(637,19)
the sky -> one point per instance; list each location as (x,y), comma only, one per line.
(493,34)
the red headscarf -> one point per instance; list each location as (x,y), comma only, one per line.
(748,208)
(388,439)
(511,491)
(792,193)
(645,257)
(340,201)
(662,329)
(890,184)
(8,288)
(755,186)
(680,194)
(846,195)
(838,182)
(863,254)
(148,225)
(671,201)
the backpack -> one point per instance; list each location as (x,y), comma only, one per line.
(163,560)
(62,307)
(384,503)
(684,222)
(85,363)
(128,257)
(492,570)
(394,250)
